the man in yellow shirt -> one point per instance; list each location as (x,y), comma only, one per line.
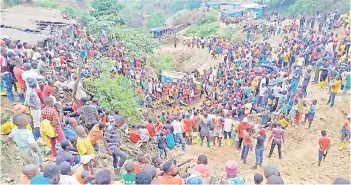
(84,145)
(334,90)
(7,127)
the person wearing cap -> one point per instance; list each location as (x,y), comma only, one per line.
(51,175)
(324,144)
(345,132)
(231,169)
(7,127)
(85,172)
(32,100)
(260,137)
(241,128)
(170,175)
(66,174)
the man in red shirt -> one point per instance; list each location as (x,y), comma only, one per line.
(324,144)
(241,128)
(48,88)
(188,124)
(134,135)
(21,84)
(151,128)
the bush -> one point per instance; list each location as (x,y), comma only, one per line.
(209,18)
(48,4)
(201,30)
(155,20)
(115,93)
(10,2)
(161,63)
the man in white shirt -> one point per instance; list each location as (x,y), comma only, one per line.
(178,132)
(227,128)
(28,73)
(262,90)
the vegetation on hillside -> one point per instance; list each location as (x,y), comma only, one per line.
(155,20)
(161,62)
(115,93)
(292,8)
(204,26)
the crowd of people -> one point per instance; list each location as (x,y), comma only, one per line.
(256,89)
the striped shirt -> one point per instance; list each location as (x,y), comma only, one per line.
(343,67)
(112,136)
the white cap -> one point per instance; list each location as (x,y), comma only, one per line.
(85,159)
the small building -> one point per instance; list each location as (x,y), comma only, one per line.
(238,12)
(171,76)
(255,8)
(213,5)
(160,32)
(228,7)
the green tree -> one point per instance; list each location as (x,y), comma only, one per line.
(193,4)
(155,20)
(115,93)
(107,9)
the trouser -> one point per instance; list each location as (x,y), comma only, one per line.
(244,152)
(331,98)
(118,158)
(259,100)
(163,151)
(240,141)
(30,157)
(8,78)
(279,144)
(96,147)
(304,91)
(53,146)
(259,155)
(179,136)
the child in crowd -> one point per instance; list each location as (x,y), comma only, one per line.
(310,115)
(84,145)
(161,143)
(129,177)
(258,178)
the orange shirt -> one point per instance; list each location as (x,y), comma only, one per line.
(196,119)
(241,127)
(188,125)
(78,175)
(151,129)
(18,72)
(323,143)
(176,180)
(24,179)
(134,135)
(95,134)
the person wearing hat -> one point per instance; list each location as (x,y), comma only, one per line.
(7,127)
(85,172)
(32,100)
(260,137)
(241,128)
(231,169)
(345,132)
